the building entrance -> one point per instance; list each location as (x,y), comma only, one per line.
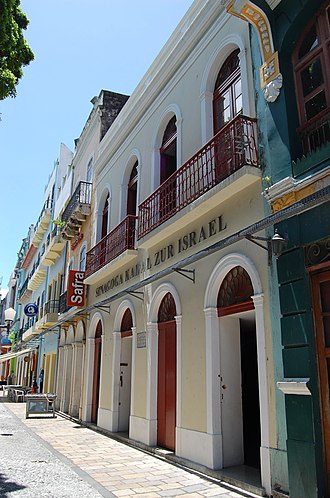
(96,372)
(239,384)
(166,397)
(321,307)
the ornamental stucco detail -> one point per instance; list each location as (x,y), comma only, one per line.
(271,79)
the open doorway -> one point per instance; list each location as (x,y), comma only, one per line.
(239,385)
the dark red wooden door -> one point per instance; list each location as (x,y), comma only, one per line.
(321,308)
(166,403)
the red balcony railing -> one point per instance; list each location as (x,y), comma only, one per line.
(112,245)
(233,147)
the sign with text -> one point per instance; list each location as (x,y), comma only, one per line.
(76,288)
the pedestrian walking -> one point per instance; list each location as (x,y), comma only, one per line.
(41,381)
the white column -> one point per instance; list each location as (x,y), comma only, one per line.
(116,348)
(134,347)
(68,350)
(258,301)
(152,376)
(83,380)
(213,380)
(87,407)
(60,375)
(76,379)
(102,385)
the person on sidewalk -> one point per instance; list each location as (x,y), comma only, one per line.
(34,389)
(10,379)
(41,381)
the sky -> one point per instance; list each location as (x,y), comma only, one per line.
(80,47)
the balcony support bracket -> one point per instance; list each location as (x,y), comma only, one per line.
(106,309)
(189,274)
(138,295)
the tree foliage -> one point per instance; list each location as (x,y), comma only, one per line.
(14,50)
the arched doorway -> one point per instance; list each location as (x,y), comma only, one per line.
(96,372)
(227,103)
(105,218)
(125,371)
(132,191)
(239,392)
(166,392)
(168,165)
(227,95)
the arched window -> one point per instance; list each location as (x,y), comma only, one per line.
(89,174)
(235,292)
(105,215)
(311,61)
(168,151)
(132,191)
(126,324)
(167,309)
(227,96)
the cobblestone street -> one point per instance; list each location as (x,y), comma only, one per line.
(57,458)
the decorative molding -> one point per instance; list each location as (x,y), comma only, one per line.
(318,252)
(294,386)
(271,79)
(287,191)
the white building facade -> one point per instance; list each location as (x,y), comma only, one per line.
(178,343)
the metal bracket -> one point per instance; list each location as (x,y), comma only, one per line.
(84,315)
(186,273)
(103,308)
(136,294)
(268,248)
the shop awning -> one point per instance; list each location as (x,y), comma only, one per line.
(14,354)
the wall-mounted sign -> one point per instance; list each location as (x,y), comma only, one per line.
(76,288)
(141,340)
(31,309)
(77,240)
(184,243)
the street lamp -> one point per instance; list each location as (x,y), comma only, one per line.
(10,314)
(274,245)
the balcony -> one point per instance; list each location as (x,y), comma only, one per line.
(30,330)
(48,315)
(42,223)
(117,248)
(77,210)
(53,247)
(24,293)
(315,139)
(229,160)
(63,307)
(37,274)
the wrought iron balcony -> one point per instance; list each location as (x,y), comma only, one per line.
(48,315)
(53,247)
(233,147)
(112,245)
(77,210)
(316,133)
(63,307)
(42,223)
(23,289)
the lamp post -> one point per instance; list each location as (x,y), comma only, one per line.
(10,314)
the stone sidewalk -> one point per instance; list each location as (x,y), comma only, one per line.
(115,468)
